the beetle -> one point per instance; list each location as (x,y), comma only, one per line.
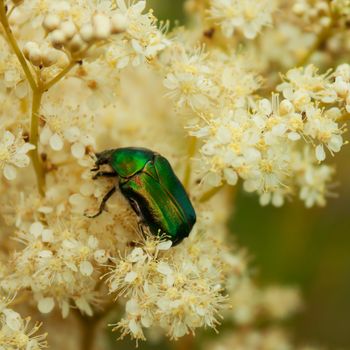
(148,182)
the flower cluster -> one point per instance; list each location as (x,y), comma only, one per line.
(271,338)
(65,34)
(13,153)
(16,332)
(163,285)
(266,142)
(203,82)
(57,264)
(316,13)
(250,303)
(246,16)
(142,40)
(265,306)
(341,7)
(59,129)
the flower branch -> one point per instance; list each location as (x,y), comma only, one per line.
(14,45)
(321,39)
(210,194)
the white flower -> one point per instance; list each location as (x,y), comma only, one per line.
(248,16)
(164,245)
(280,302)
(16,333)
(189,89)
(46,305)
(141,41)
(13,319)
(313,179)
(86,268)
(13,153)
(322,128)
(303,84)
(59,129)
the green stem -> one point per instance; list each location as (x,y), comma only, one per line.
(13,43)
(59,76)
(190,154)
(74,60)
(88,333)
(34,140)
(38,89)
(211,193)
(37,95)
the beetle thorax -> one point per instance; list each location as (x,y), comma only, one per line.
(126,162)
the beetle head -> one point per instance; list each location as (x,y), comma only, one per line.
(103,158)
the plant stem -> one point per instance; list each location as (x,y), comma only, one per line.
(190,154)
(185,343)
(344,118)
(13,43)
(34,138)
(73,61)
(36,101)
(59,76)
(88,333)
(90,327)
(321,40)
(209,194)
(38,89)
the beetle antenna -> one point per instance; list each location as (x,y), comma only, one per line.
(92,155)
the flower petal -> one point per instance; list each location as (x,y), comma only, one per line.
(56,142)
(8,139)
(10,172)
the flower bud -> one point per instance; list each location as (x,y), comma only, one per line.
(76,44)
(325,21)
(29,46)
(87,33)
(51,22)
(69,29)
(119,23)
(35,56)
(340,86)
(299,9)
(57,38)
(62,61)
(286,107)
(49,57)
(101,25)
(347,107)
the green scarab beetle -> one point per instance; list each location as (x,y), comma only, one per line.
(155,193)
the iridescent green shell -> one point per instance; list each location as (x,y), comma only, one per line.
(148,181)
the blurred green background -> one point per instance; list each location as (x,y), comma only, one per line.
(309,248)
(293,245)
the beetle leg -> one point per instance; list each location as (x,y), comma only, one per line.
(104,174)
(141,222)
(135,207)
(141,227)
(103,203)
